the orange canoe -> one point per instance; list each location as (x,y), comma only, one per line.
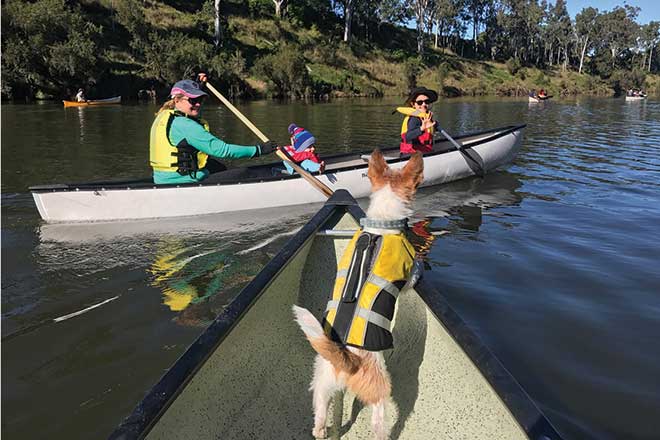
(115,100)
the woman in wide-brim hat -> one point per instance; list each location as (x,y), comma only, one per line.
(418,128)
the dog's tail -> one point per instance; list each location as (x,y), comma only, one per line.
(340,357)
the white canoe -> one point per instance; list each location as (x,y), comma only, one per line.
(539,99)
(247,376)
(635,98)
(264,186)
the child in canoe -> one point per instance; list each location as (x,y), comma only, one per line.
(302,150)
(418,126)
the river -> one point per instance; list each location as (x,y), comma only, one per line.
(554,261)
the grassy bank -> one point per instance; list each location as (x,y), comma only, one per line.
(152,43)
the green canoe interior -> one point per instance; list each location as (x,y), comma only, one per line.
(255,384)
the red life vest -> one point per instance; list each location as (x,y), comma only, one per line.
(423,143)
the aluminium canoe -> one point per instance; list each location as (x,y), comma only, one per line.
(107,101)
(265,186)
(247,376)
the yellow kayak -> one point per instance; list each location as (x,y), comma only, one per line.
(107,101)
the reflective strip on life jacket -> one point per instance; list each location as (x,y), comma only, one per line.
(423,143)
(162,154)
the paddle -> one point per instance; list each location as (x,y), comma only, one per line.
(306,175)
(479,171)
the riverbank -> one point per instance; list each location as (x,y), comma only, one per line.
(133,46)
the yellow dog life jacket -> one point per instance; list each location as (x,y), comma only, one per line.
(370,275)
(162,154)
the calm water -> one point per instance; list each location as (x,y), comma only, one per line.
(554,261)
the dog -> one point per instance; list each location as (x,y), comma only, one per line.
(352,338)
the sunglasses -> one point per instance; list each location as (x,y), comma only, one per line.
(423,101)
(194,101)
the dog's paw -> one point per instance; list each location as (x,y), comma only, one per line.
(319,432)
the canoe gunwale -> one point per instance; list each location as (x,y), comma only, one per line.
(158,399)
(147,413)
(519,403)
(138,184)
(93,102)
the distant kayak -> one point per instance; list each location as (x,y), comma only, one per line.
(107,101)
(539,98)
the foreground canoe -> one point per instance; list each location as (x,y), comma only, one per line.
(247,376)
(635,98)
(107,101)
(265,186)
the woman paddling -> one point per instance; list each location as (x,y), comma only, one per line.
(418,126)
(180,142)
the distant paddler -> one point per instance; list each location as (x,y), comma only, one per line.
(418,126)
(180,142)
(80,96)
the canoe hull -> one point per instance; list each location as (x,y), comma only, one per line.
(536,99)
(107,101)
(248,375)
(635,98)
(121,203)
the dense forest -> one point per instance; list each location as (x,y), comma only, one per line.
(297,48)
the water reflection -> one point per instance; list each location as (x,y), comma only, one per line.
(195,282)
(81,122)
(196,263)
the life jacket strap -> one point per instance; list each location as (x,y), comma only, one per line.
(359,269)
(368,315)
(384,285)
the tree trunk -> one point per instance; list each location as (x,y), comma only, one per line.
(278,7)
(348,19)
(475,29)
(584,50)
(650,58)
(218,28)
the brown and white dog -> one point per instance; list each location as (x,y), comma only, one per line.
(341,365)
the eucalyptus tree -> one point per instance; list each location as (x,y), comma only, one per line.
(280,6)
(618,30)
(421,9)
(520,22)
(649,39)
(446,14)
(586,31)
(475,11)
(390,11)
(561,29)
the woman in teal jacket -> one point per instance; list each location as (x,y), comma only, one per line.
(180,141)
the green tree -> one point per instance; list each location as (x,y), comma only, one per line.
(47,45)
(586,30)
(649,39)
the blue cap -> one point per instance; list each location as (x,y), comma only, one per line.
(188,88)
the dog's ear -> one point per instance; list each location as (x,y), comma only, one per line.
(413,172)
(377,166)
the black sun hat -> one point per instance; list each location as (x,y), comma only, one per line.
(414,93)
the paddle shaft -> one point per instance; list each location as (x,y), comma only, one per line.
(308,177)
(460,147)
